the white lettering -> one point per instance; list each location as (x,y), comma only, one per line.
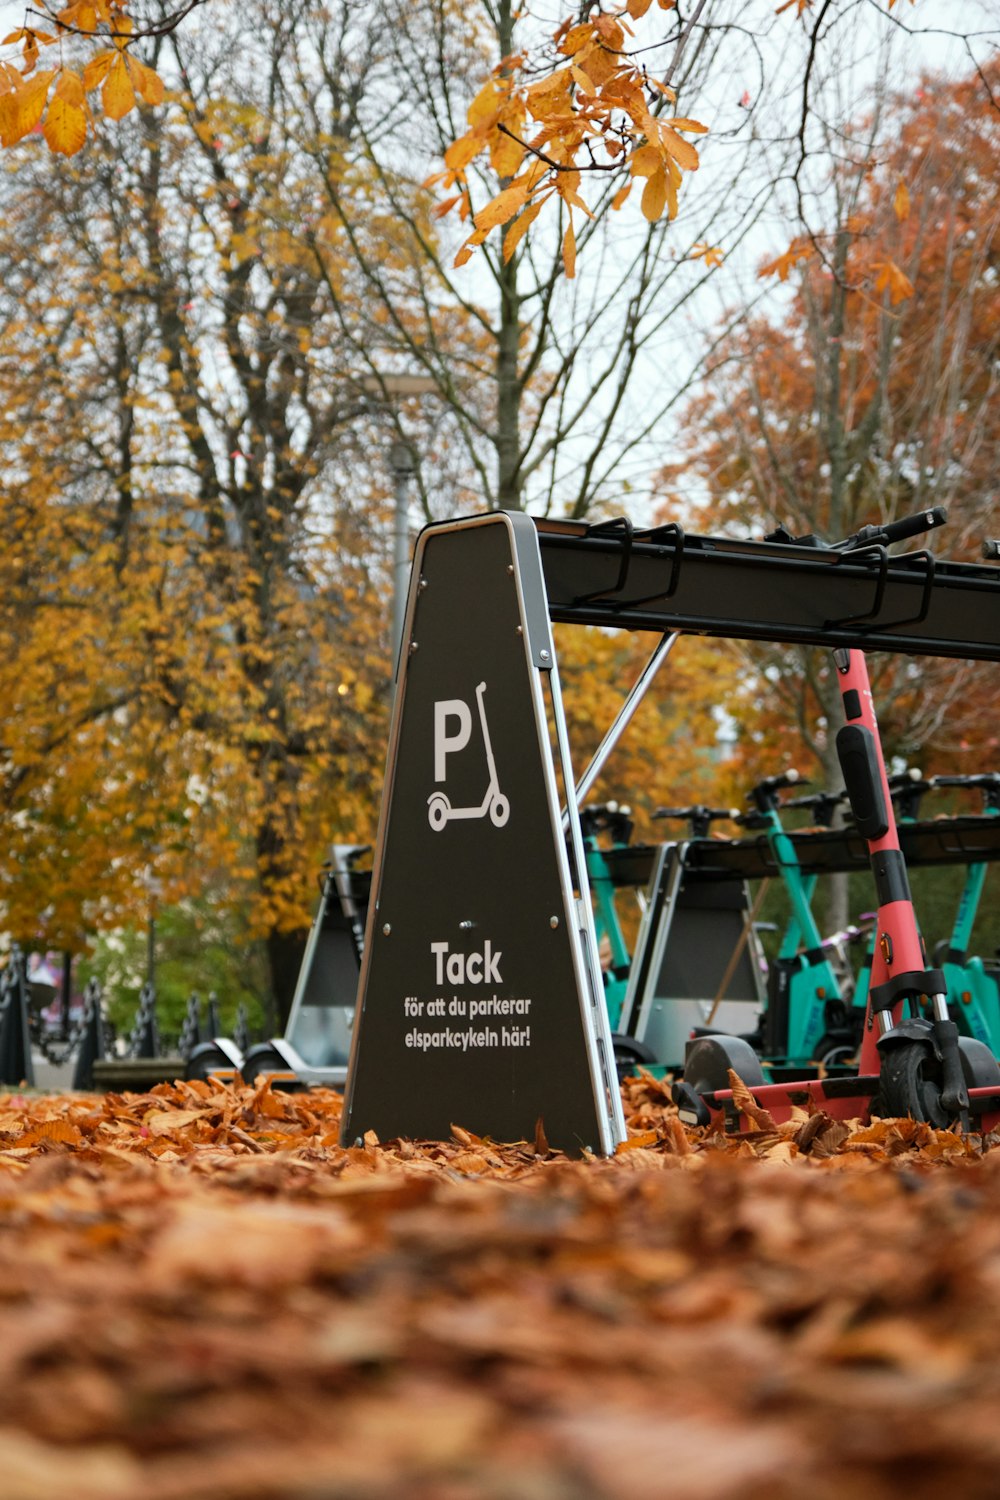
(439,950)
(466,968)
(446,744)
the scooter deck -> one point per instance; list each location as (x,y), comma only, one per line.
(840,1098)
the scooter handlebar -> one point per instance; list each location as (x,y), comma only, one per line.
(897,531)
(823,804)
(976,779)
(816,799)
(925,520)
(607,817)
(987,782)
(699,816)
(775,783)
(696,811)
(765,794)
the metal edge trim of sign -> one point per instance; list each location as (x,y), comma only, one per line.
(586,964)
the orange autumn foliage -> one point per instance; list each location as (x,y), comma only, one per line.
(870,397)
(194,674)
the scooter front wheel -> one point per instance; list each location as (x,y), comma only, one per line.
(499,810)
(911,1079)
(910,1085)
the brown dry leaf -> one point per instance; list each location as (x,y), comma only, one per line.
(169,1121)
(636,1142)
(743,1099)
(52,1130)
(181,1310)
(34,1470)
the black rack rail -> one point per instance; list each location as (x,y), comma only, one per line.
(662,579)
(824,851)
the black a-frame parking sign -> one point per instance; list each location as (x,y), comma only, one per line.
(480,1001)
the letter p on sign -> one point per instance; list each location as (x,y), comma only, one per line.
(445,743)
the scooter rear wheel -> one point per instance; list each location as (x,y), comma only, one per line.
(710,1058)
(207,1060)
(706,1070)
(268,1061)
(630,1055)
(834,1054)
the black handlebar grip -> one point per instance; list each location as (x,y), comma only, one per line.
(924,520)
(883,533)
(753,819)
(813,799)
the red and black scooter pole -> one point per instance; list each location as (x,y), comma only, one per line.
(918,1057)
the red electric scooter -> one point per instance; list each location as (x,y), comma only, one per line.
(912,1059)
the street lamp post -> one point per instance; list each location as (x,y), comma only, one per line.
(402,461)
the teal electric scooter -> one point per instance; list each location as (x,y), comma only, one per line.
(972,992)
(807,1002)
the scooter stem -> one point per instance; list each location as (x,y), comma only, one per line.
(899,969)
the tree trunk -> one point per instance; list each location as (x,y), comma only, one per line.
(508,436)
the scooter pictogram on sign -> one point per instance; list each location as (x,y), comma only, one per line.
(439,808)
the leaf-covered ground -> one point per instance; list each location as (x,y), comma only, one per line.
(203,1295)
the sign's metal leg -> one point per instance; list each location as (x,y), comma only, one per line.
(598,1032)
